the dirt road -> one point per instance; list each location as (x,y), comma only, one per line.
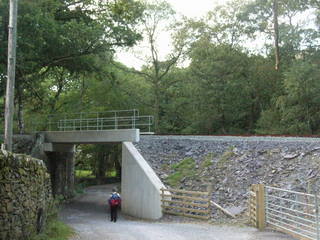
(89,216)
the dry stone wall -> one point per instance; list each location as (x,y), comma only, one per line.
(25,196)
(232,164)
(22,143)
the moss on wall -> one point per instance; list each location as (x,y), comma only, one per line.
(25,195)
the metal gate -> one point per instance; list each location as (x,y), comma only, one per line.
(292,212)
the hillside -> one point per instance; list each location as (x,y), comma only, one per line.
(232,164)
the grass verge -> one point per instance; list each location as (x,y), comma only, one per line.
(55,230)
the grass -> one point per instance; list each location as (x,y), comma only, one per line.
(84,174)
(112,173)
(225,158)
(55,230)
(89,174)
(185,164)
(207,162)
(185,168)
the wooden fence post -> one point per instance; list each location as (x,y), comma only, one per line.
(209,190)
(261,222)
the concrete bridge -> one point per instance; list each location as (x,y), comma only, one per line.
(140,186)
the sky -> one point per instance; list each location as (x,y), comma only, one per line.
(194,8)
(189,8)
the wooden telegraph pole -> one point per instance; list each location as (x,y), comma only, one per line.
(12,42)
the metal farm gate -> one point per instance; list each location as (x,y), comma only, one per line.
(291,212)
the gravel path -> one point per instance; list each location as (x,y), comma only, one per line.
(89,216)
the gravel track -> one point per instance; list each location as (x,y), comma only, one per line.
(89,216)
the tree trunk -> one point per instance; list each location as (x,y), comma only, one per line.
(101,166)
(157,110)
(276,34)
(117,160)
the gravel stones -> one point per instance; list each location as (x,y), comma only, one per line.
(232,164)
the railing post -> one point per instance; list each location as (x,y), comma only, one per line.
(64,122)
(80,121)
(261,218)
(134,120)
(115,120)
(49,123)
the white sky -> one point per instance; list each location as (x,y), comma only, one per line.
(193,8)
(189,8)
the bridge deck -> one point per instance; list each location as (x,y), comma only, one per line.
(93,136)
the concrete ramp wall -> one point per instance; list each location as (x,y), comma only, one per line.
(140,186)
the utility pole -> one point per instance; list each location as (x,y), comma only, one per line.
(276,33)
(9,108)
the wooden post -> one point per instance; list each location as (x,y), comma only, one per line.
(162,198)
(209,190)
(12,42)
(261,207)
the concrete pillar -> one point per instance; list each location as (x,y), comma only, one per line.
(61,168)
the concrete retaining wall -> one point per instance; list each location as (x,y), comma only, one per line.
(140,186)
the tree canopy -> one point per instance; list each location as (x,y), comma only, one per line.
(221,76)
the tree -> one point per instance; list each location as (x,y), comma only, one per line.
(275,19)
(159,17)
(49,37)
(275,7)
(100,159)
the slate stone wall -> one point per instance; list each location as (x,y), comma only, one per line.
(25,196)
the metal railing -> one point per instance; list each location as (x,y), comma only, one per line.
(120,119)
(293,212)
(144,122)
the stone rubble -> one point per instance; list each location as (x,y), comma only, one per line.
(236,164)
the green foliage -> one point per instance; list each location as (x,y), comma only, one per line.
(84,174)
(174,179)
(295,111)
(98,161)
(55,230)
(228,87)
(60,40)
(183,169)
(224,159)
(186,164)
(207,161)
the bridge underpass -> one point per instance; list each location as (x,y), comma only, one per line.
(140,186)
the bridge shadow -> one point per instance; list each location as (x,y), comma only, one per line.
(93,203)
